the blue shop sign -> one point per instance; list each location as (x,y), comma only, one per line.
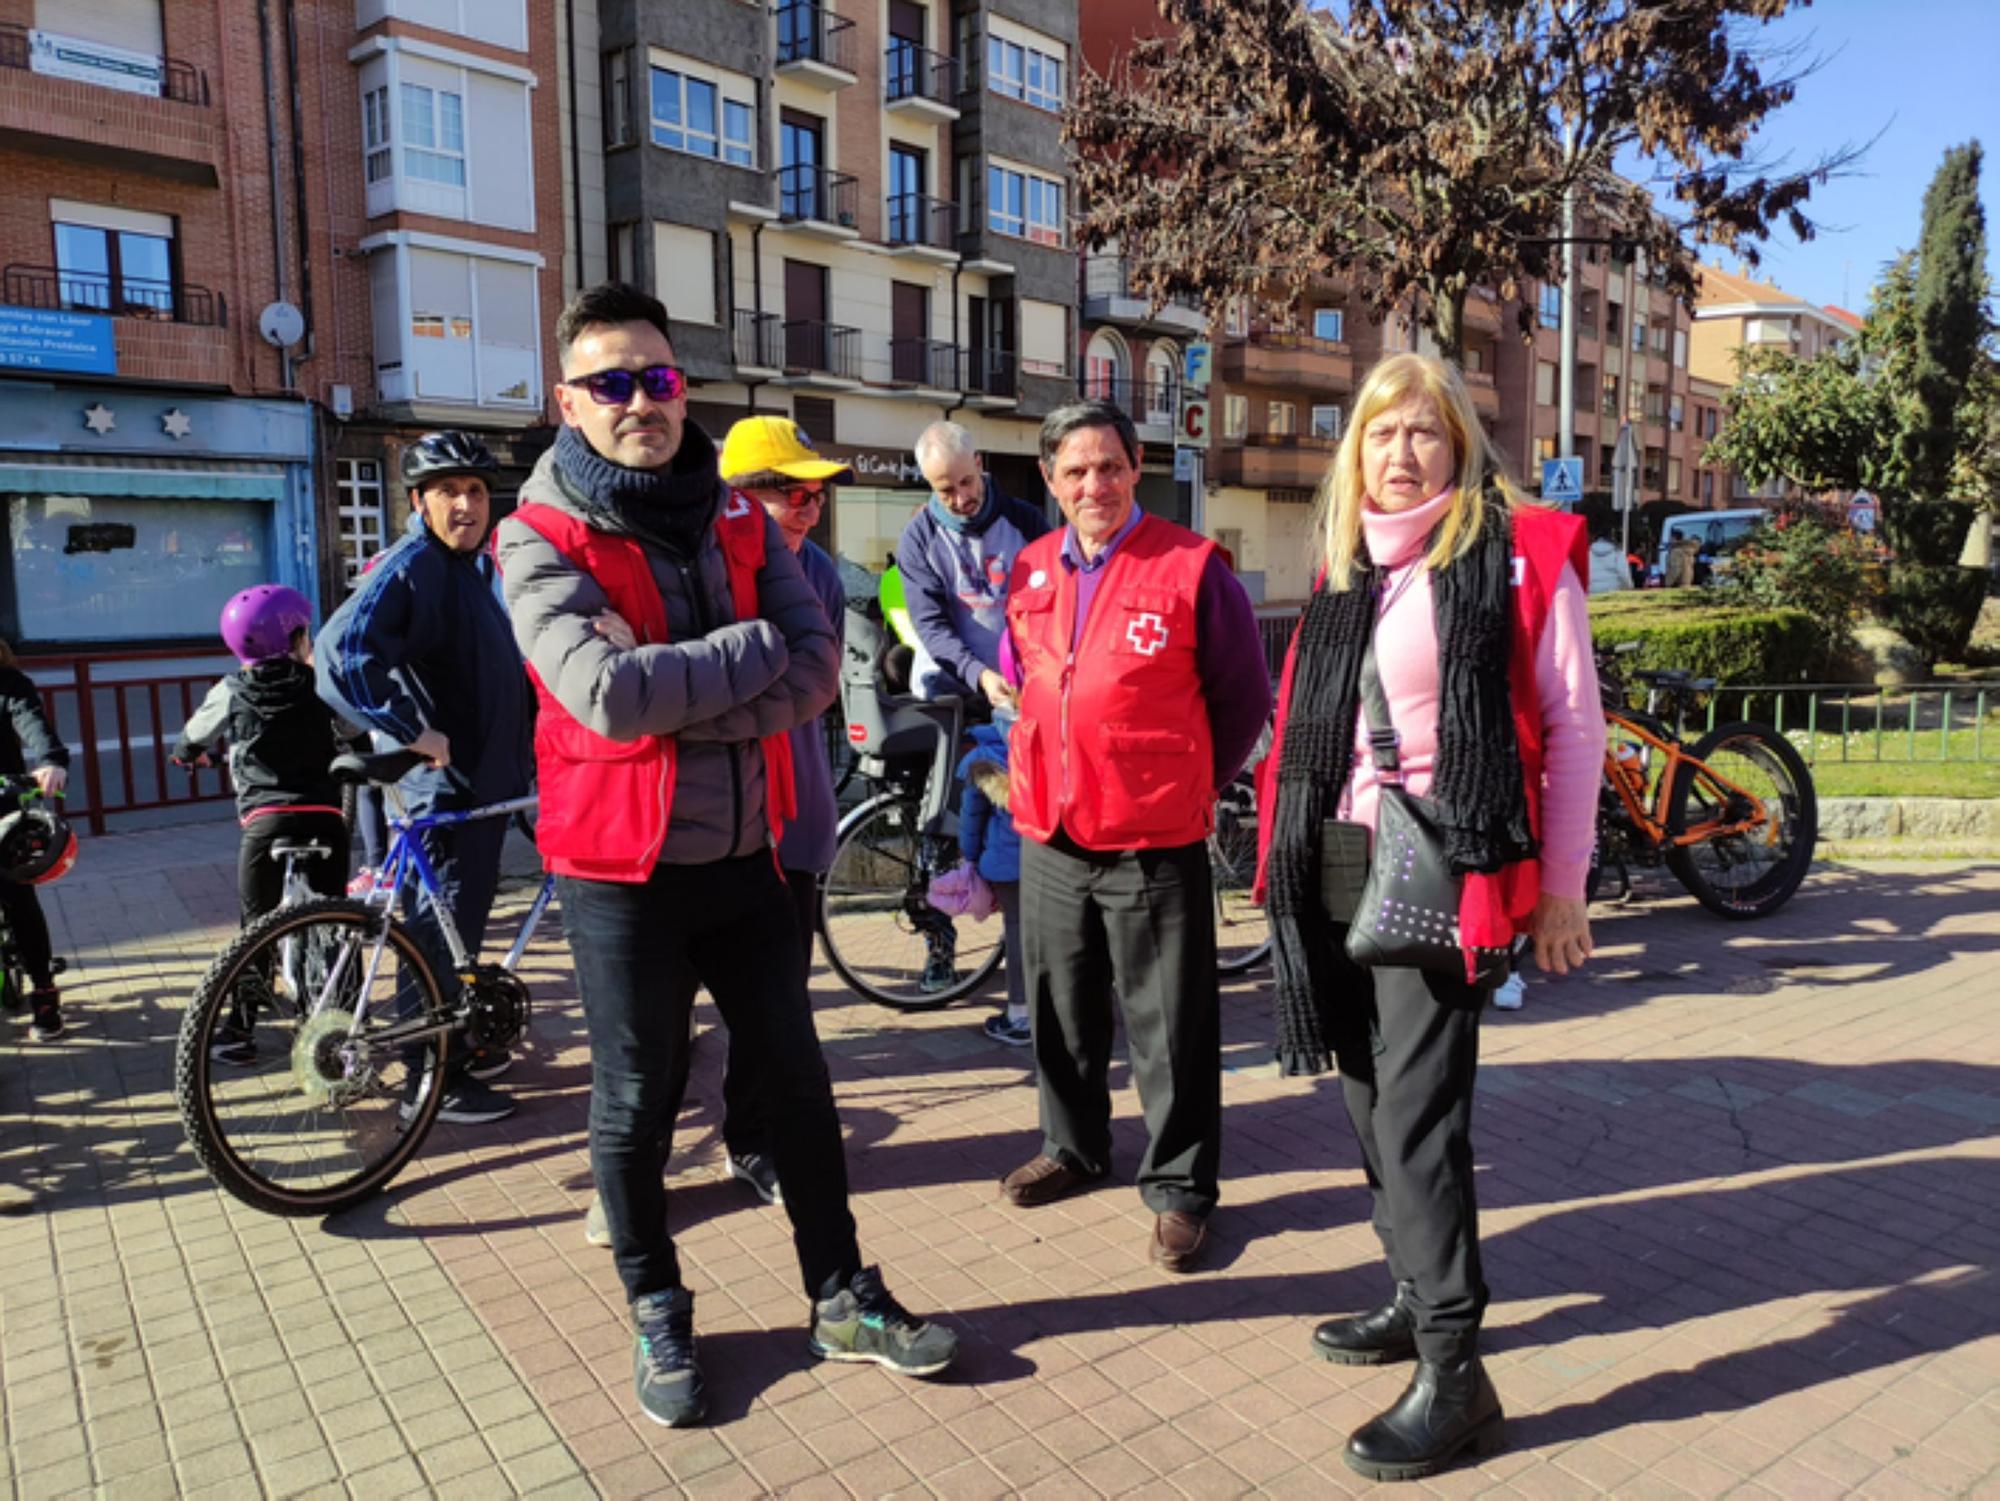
(36,339)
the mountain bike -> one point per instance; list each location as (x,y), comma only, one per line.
(348,1023)
(1242,927)
(1734,816)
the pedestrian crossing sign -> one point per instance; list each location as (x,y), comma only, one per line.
(1562,481)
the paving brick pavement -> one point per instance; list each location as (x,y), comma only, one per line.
(1741,1196)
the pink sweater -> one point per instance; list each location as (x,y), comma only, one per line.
(1565,678)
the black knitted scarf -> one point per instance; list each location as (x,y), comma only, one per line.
(671,507)
(1476,786)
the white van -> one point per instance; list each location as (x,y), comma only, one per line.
(1720,533)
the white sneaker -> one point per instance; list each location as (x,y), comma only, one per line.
(1508,996)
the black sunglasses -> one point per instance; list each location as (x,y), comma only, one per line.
(614,388)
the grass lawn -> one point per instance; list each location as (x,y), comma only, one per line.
(1907,778)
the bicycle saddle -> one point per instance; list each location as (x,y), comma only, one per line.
(311,849)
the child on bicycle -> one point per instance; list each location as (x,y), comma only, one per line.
(29,746)
(987,840)
(282,738)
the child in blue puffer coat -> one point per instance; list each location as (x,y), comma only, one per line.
(987,839)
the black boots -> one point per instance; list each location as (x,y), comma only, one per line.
(1371,1338)
(1450,1406)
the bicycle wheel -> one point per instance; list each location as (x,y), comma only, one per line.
(884,940)
(291,1105)
(1242,927)
(1751,874)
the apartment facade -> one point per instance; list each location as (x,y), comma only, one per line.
(249,252)
(856,212)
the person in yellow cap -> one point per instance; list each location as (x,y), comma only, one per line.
(771,461)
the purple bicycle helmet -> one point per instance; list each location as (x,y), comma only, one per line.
(257,624)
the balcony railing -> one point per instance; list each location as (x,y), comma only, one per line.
(917,219)
(94,292)
(1149,401)
(924,362)
(181,82)
(1109,276)
(810,33)
(990,372)
(811,346)
(913,72)
(760,340)
(817,193)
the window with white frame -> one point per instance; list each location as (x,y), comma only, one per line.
(1326,422)
(364,527)
(434,135)
(704,116)
(1235,416)
(1329,323)
(1018,69)
(1024,204)
(1281,419)
(377,141)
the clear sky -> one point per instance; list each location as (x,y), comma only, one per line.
(1926,75)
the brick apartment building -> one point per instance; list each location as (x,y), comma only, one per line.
(857,216)
(246,252)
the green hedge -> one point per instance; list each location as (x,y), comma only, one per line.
(1688,628)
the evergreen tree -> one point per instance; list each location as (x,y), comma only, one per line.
(1951,322)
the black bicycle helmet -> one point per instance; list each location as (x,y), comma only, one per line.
(37,844)
(436,456)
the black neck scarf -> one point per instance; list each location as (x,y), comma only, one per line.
(1476,786)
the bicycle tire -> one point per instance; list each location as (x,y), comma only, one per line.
(1242,928)
(230,1111)
(871,903)
(1697,866)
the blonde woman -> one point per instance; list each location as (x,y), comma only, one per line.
(1469,603)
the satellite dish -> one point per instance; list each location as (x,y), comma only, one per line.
(282,325)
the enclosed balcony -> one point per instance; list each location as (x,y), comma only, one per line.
(815,46)
(917,81)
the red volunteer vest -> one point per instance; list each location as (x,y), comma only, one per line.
(1543,542)
(605,803)
(1113,743)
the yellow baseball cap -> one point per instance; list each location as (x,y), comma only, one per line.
(775,445)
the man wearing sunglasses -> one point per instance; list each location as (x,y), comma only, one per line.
(675,644)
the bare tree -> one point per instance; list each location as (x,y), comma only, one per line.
(1425,146)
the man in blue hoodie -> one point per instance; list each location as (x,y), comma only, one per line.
(955,557)
(423,654)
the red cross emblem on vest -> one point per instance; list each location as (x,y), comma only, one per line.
(1147,633)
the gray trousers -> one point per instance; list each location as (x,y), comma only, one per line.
(1142,922)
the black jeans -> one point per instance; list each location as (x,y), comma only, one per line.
(1142,921)
(641,952)
(1408,1048)
(746,1122)
(260,875)
(30,928)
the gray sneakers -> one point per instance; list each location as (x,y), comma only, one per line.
(663,1365)
(863,1322)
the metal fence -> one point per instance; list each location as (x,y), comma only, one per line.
(1834,723)
(120,729)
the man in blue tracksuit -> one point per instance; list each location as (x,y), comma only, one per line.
(955,557)
(423,654)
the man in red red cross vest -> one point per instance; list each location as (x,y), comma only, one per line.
(1143,691)
(674,643)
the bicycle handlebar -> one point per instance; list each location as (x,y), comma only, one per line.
(355,770)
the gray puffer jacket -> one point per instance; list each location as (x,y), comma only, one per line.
(718,685)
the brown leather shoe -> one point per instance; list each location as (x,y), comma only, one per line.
(1177,1240)
(1043,1180)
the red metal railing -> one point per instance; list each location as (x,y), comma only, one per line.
(120,730)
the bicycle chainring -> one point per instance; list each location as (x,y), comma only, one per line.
(495,1004)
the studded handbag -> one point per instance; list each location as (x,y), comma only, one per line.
(1407,915)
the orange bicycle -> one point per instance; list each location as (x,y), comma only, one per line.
(1733,816)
